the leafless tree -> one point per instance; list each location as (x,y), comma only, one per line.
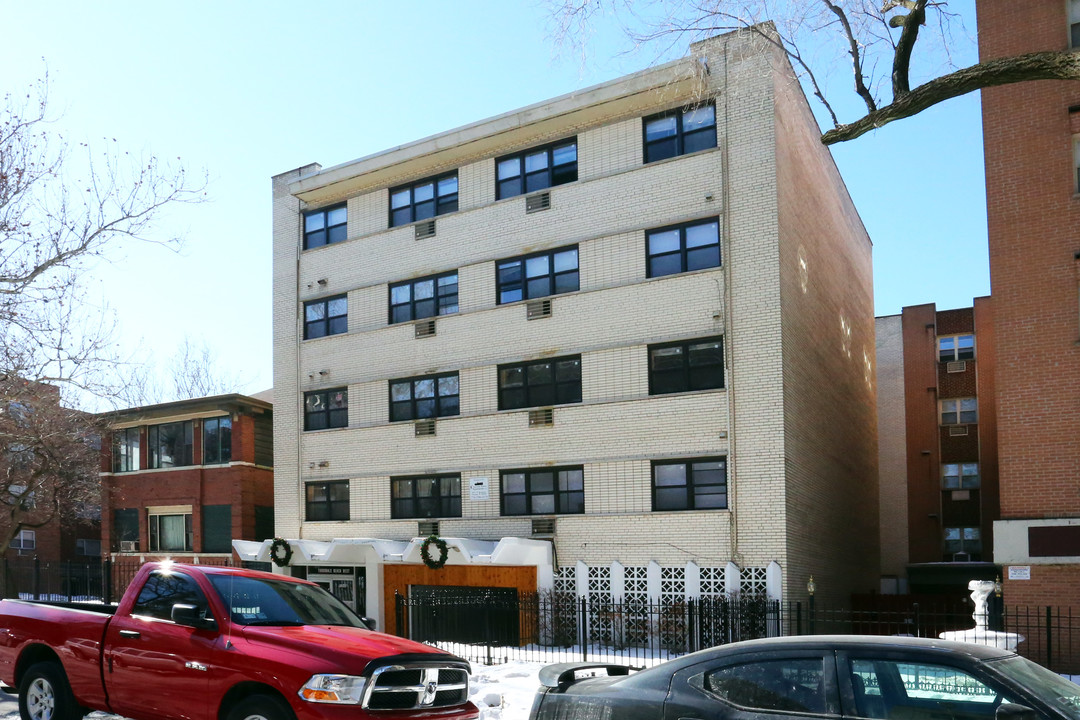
(875,38)
(60,213)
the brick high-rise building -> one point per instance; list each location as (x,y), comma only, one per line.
(1031,134)
(618,344)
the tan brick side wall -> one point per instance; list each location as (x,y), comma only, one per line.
(830,423)
(892,446)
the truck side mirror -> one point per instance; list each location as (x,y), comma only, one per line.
(369,623)
(1012,711)
(191,616)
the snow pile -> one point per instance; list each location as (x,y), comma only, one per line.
(504,692)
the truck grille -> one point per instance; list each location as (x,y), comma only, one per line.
(402,687)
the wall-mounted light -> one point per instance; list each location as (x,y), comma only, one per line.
(810,585)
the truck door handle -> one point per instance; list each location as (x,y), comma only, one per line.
(130,633)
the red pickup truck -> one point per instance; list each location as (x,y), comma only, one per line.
(210,643)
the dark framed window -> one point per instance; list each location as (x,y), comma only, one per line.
(786,685)
(686,365)
(679,132)
(424,199)
(125,527)
(956,476)
(536,169)
(326,409)
(543,491)
(537,275)
(325,227)
(426,297)
(682,248)
(698,484)
(540,382)
(217,440)
(962,540)
(956,347)
(170,444)
(327,501)
(424,397)
(428,496)
(171,533)
(959,411)
(329,316)
(125,452)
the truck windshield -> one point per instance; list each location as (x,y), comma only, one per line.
(258,601)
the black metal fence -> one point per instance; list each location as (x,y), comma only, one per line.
(565,628)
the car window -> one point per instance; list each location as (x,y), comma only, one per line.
(919,691)
(165,589)
(791,685)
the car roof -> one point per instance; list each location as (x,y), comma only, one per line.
(859,642)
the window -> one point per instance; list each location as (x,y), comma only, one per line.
(171,531)
(424,298)
(328,501)
(688,365)
(125,527)
(959,411)
(699,484)
(962,540)
(125,454)
(1074,24)
(956,347)
(424,397)
(325,227)
(956,476)
(326,409)
(170,444)
(537,275)
(787,685)
(424,199)
(217,440)
(434,496)
(165,588)
(680,132)
(217,529)
(326,317)
(25,541)
(87,547)
(542,382)
(682,248)
(545,491)
(536,169)
(919,691)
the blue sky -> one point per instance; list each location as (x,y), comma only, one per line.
(248,89)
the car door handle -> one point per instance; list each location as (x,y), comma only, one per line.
(130,633)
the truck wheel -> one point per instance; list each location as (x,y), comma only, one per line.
(44,694)
(260,707)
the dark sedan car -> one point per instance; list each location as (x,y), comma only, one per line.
(820,676)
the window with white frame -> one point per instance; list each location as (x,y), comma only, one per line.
(25,541)
(960,476)
(959,411)
(956,347)
(171,529)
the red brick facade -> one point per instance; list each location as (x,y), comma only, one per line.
(245,484)
(1033,214)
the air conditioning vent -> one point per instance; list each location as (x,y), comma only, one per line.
(427,528)
(425,328)
(424,428)
(958,430)
(538,309)
(537,202)
(542,418)
(956,366)
(425,229)
(129,546)
(543,526)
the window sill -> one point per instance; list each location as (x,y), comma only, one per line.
(325,430)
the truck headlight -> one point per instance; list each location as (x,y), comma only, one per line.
(340,689)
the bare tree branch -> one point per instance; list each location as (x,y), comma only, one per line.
(856,59)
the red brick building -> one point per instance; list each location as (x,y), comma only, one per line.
(1031,132)
(937,447)
(184,479)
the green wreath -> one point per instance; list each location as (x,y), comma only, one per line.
(280,552)
(425,552)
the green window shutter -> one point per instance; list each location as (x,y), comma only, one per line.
(217,528)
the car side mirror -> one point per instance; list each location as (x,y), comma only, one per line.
(191,616)
(369,623)
(1012,711)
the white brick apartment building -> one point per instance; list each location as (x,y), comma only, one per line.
(669,262)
